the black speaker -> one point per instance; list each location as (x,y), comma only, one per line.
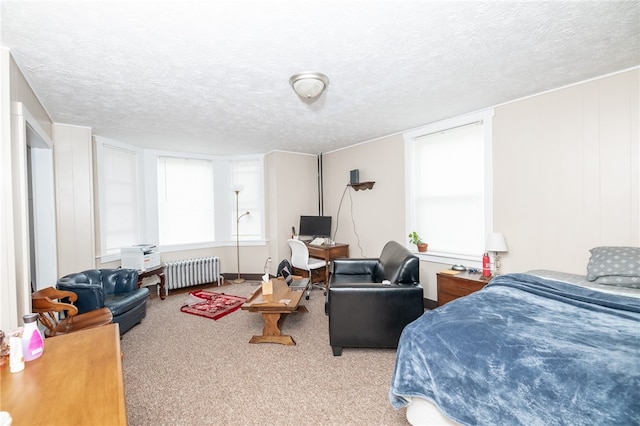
(355,176)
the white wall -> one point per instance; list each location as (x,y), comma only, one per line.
(566,179)
(8,301)
(72,150)
(14,238)
(292,190)
(367,219)
(566,173)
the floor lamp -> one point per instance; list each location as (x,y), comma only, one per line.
(237,190)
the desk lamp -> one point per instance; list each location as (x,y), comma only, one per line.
(497,244)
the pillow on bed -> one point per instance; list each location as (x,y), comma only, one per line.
(614,265)
(631,282)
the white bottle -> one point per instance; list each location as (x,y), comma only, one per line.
(16,360)
(32,343)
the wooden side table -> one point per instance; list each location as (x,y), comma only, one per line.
(328,253)
(159,271)
(451,287)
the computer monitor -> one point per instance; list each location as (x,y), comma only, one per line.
(315,226)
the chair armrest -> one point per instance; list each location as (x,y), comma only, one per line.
(55,294)
(48,300)
(351,266)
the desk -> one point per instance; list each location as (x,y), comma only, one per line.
(328,253)
(159,271)
(77,381)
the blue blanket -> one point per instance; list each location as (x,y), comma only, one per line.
(525,350)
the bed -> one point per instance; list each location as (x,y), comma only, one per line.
(536,348)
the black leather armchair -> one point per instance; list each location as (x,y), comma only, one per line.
(364,312)
(116,289)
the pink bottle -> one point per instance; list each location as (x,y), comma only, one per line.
(32,342)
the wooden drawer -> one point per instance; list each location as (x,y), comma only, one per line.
(317,275)
(450,287)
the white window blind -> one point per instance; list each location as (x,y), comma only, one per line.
(119,201)
(449,200)
(185,201)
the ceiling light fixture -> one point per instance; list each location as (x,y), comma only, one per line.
(309,84)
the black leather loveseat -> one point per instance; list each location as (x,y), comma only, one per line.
(365,312)
(116,289)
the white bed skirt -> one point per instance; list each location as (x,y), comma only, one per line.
(421,412)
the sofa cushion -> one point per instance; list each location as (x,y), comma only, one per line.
(120,303)
(130,318)
(337,279)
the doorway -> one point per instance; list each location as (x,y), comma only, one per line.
(34,208)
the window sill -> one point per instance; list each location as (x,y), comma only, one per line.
(449,259)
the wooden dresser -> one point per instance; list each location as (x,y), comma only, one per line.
(78,380)
(451,287)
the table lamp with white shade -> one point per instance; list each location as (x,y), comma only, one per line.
(496,243)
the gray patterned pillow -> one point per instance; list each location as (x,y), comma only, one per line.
(613,263)
(620,281)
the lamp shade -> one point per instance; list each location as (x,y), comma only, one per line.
(496,242)
(309,85)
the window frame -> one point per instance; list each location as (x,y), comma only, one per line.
(410,140)
(222,201)
(242,203)
(100,143)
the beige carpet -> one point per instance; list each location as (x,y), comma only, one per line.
(182,369)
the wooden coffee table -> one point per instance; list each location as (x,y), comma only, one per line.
(274,309)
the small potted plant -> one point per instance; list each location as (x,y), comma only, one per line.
(414,238)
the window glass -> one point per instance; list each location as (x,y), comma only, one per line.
(119,202)
(448,192)
(185,201)
(247,174)
(449,183)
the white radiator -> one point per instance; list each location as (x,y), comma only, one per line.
(185,273)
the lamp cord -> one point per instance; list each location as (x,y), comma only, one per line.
(352,219)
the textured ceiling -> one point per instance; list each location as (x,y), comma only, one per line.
(213,77)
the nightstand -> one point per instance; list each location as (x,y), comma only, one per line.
(450,287)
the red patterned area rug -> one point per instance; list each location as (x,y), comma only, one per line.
(211,305)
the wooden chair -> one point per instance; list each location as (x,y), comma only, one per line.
(47,303)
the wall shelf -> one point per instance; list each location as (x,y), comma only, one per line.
(361,185)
